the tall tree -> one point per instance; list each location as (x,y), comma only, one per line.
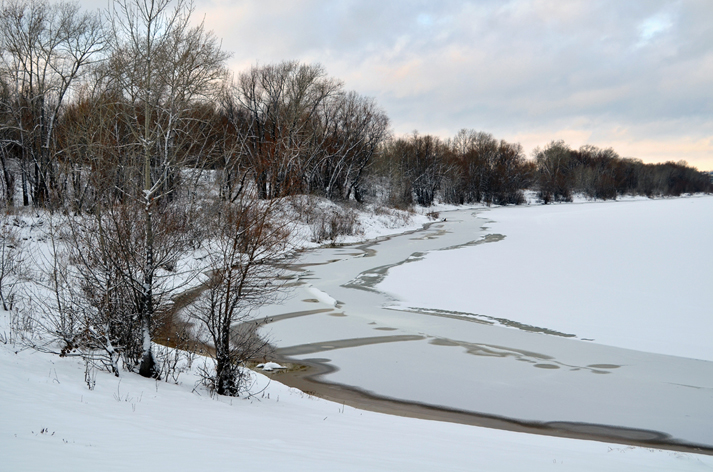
(283,103)
(351,130)
(44,50)
(162,65)
(555,171)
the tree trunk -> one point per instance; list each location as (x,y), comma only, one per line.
(25,193)
(9,181)
(147,368)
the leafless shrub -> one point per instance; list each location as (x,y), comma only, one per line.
(248,251)
(396,218)
(7,338)
(171,362)
(81,302)
(326,221)
(245,344)
(333,223)
(10,260)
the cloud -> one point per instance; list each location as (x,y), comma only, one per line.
(654,26)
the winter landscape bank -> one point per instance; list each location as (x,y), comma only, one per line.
(619,249)
(516,321)
(153,200)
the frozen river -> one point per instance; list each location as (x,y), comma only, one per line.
(335,318)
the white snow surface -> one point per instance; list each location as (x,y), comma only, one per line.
(321,296)
(635,274)
(50,420)
(269,366)
(370,221)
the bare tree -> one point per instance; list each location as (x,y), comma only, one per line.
(475,152)
(10,260)
(57,307)
(416,165)
(162,65)
(555,171)
(283,102)
(250,247)
(352,129)
(45,48)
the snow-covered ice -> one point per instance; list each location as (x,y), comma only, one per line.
(633,274)
(428,340)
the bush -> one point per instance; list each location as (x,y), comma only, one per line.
(333,223)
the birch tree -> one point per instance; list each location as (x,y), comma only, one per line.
(162,65)
(44,50)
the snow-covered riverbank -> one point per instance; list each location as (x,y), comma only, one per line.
(50,420)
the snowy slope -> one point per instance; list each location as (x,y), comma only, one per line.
(51,421)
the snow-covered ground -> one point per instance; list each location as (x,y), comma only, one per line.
(50,420)
(368,222)
(634,274)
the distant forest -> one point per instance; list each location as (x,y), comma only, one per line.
(475,167)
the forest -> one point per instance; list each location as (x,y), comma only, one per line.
(128,128)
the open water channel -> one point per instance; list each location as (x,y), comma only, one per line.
(339,327)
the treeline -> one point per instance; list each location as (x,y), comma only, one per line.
(472,167)
(603,174)
(475,167)
(88,101)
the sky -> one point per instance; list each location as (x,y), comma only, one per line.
(636,76)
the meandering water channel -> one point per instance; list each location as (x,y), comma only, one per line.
(342,331)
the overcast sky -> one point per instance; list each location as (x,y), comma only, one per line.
(633,75)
